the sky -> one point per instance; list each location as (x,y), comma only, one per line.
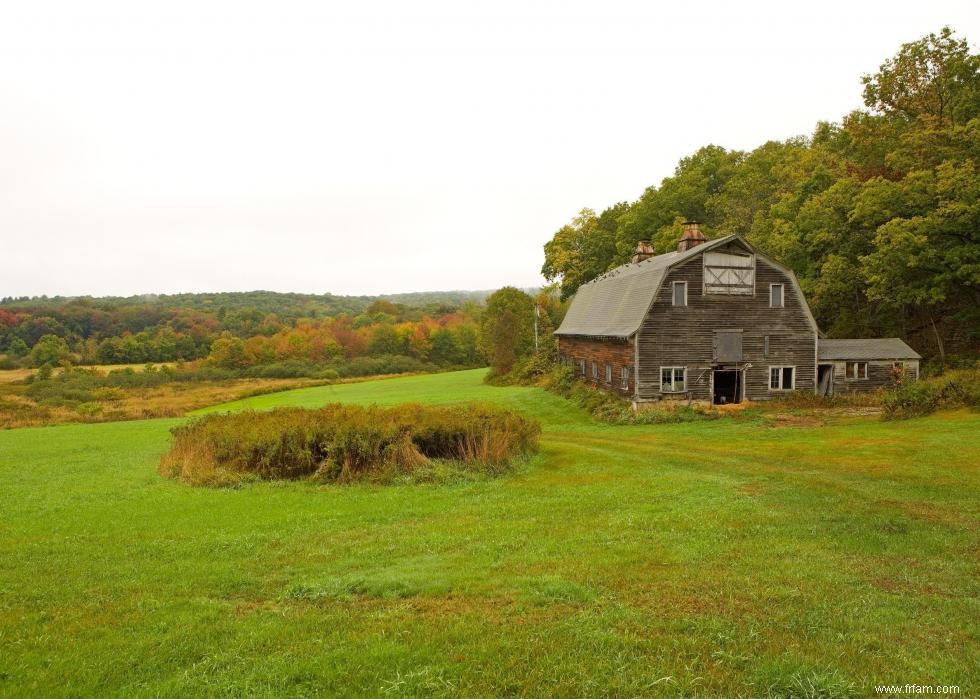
(383,147)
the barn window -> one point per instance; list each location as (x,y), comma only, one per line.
(581,367)
(595,369)
(775,296)
(856,370)
(672,379)
(782,378)
(680,293)
(729,273)
(609,374)
(624,378)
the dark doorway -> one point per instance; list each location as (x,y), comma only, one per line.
(825,380)
(728,386)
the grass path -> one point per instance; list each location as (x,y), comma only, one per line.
(709,559)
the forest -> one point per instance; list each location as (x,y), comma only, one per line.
(877,214)
(239,331)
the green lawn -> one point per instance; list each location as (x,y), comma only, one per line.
(717,558)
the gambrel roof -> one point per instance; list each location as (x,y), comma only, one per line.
(615,303)
(883,348)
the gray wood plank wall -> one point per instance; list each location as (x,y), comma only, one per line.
(683,336)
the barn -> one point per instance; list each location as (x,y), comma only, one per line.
(712,321)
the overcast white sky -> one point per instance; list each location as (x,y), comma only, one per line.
(379,147)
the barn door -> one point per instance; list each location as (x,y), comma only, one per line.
(727,346)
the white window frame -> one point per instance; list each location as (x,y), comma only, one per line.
(609,374)
(856,375)
(673,379)
(595,370)
(781,387)
(581,366)
(673,294)
(624,378)
(782,295)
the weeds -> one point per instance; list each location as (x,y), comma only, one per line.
(344,443)
(606,407)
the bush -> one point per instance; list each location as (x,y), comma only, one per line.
(953,389)
(344,443)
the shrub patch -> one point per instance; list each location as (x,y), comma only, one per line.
(344,443)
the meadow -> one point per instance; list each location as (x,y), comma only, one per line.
(726,558)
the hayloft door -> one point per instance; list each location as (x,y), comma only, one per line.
(727,346)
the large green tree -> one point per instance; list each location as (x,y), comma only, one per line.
(507,329)
(49,349)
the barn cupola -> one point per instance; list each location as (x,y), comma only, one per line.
(643,251)
(692,236)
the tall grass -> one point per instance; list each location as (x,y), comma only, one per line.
(344,443)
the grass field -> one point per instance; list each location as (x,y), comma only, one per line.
(725,558)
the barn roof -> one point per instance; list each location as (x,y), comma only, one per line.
(614,304)
(884,348)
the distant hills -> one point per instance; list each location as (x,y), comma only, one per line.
(288,304)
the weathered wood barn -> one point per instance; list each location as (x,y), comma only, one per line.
(713,321)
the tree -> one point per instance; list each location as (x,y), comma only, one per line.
(420,342)
(386,340)
(228,352)
(17,348)
(49,349)
(507,329)
(933,77)
(583,249)
(445,351)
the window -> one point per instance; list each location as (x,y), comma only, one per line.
(680,293)
(595,369)
(729,273)
(856,370)
(581,367)
(782,378)
(609,374)
(672,379)
(624,378)
(775,296)
(765,347)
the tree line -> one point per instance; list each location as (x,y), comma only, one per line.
(878,214)
(37,333)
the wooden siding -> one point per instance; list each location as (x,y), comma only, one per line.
(618,353)
(684,336)
(880,375)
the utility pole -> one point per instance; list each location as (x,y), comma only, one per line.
(537,313)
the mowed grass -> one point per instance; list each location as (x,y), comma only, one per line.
(718,558)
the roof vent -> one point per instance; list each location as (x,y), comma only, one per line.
(643,251)
(692,236)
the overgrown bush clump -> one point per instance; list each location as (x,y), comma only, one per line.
(953,389)
(344,443)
